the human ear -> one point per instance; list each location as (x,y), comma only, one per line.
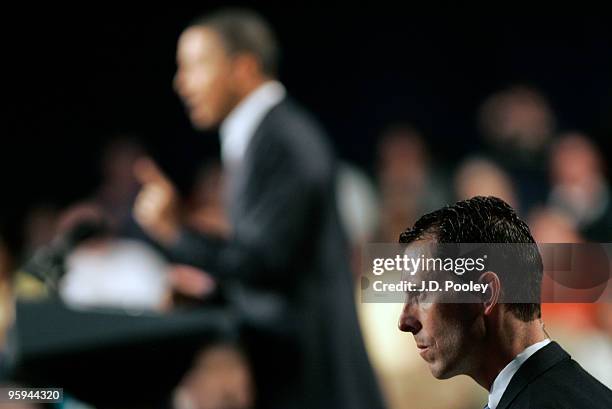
(246,66)
(492,294)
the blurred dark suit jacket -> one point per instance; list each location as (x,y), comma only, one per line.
(550,379)
(289,262)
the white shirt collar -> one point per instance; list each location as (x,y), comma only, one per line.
(503,379)
(239,127)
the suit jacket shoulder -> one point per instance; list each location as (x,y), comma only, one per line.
(551,379)
(290,132)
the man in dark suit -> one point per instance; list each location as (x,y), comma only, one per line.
(500,344)
(286,259)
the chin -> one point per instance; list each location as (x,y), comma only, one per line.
(437,374)
(439,371)
(201,126)
(202,122)
(445,371)
(441,375)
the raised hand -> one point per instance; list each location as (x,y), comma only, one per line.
(156,206)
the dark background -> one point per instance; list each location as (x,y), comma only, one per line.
(79,76)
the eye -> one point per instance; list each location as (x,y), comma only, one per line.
(413,297)
(423,296)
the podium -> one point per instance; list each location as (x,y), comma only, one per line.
(113,358)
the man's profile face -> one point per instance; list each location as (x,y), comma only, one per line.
(203,78)
(448,336)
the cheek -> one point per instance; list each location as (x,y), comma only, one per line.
(202,81)
(432,318)
(447,329)
(461,337)
(218,88)
(201,78)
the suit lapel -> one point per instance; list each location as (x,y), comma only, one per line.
(536,365)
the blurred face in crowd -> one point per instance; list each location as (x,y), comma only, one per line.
(520,116)
(206,78)
(481,177)
(221,378)
(448,336)
(575,161)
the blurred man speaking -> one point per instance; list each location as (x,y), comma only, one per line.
(502,346)
(286,242)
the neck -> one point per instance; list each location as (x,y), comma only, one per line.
(504,343)
(251,86)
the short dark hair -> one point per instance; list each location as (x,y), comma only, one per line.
(243,30)
(487,220)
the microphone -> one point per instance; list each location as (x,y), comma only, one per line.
(48,263)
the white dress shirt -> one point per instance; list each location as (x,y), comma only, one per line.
(503,379)
(239,127)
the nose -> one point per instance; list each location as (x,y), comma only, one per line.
(177,82)
(408,321)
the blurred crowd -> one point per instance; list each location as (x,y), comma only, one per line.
(556,179)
